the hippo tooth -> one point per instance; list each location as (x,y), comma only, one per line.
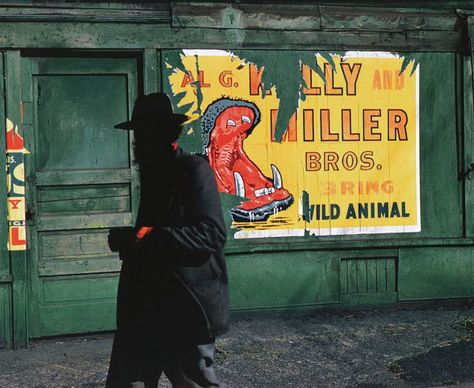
(277,183)
(239,185)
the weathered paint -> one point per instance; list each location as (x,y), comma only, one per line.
(283,72)
(368,276)
(183,80)
(72,289)
(84,182)
(6,317)
(15,188)
(290,280)
(18,258)
(435,274)
(467,127)
(122,37)
(363,178)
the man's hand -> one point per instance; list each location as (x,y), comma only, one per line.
(143,231)
(121,238)
(128,241)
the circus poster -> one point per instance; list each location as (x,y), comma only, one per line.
(348,161)
(15,188)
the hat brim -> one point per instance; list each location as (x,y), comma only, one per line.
(127,125)
(176,118)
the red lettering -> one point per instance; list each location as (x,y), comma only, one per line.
(15,238)
(187,79)
(14,203)
(225,78)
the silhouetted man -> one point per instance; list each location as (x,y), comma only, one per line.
(173,294)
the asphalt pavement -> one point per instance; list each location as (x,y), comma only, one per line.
(399,346)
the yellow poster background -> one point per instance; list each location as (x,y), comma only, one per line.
(376,87)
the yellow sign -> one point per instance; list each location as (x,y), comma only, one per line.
(348,162)
(15,188)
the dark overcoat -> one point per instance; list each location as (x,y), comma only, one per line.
(183,258)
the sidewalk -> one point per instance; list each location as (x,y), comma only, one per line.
(396,347)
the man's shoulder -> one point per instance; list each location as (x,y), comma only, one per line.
(188,159)
(194,162)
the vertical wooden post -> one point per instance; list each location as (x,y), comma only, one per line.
(5,277)
(460,146)
(151,84)
(468,128)
(151,71)
(17,258)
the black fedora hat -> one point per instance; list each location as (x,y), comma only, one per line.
(152,108)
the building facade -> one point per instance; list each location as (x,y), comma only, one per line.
(341,135)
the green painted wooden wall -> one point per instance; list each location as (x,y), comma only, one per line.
(5,273)
(83,183)
(55,289)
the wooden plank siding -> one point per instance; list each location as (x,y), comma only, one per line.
(80,183)
(5,316)
(120,36)
(61,177)
(67,12)
(4,255)
(5,268)
(307,17)
(194,25)
(18,258)
(75,274)
(468,126)
(262,281)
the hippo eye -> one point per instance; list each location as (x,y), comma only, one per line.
(230,123)
(245,119)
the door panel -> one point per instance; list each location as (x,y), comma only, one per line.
(81,184)
(76,115)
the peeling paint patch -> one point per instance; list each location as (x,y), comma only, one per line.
(15,188)
(412,59)
(332,126)
(184,103)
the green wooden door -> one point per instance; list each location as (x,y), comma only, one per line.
(80,182)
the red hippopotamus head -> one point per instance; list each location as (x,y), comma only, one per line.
(225,125)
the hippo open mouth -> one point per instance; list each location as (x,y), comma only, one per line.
(226,123)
